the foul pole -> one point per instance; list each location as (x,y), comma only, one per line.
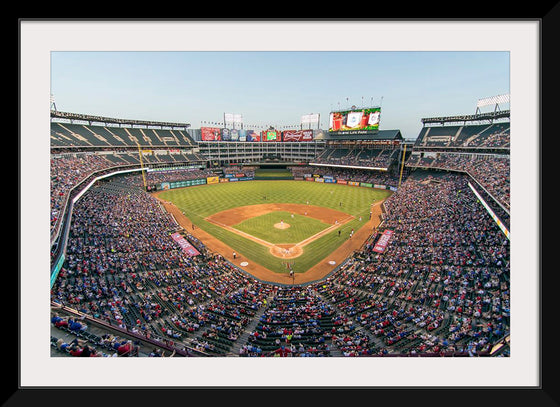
(402,165)
(141,165)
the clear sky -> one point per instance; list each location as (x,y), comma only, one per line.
(276,88)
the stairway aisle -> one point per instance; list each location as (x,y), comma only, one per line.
(243,338)
(335,351)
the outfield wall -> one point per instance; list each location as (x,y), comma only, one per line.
(163,186)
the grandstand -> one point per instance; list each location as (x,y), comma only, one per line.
(477,145)
(439,286)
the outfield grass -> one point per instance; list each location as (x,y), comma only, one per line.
(301,227)
(199,202)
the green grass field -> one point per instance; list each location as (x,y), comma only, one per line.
(301,227)
(199,202)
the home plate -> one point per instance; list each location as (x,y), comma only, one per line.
(243,264)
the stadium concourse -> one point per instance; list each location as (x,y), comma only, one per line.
(438,287)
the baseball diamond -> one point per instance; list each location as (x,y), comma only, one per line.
(331,238)
(257,232)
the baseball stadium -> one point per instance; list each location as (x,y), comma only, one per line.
(225,241)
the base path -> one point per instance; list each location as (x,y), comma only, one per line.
(284,251)
(236,215)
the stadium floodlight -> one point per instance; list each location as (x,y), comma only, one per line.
(53,105)
(233,119)
(309,119)
(496,101)
(493,100)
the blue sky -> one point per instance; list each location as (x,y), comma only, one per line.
(276,88)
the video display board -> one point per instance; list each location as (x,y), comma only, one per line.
(355,121)
(270,135)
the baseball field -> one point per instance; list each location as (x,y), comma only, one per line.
(275,226)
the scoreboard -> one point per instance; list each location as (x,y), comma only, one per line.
(355,121)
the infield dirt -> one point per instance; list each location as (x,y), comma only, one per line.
(236,215)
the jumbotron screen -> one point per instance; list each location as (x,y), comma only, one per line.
(269,135)
(355,121)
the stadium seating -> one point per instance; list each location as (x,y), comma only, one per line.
(440,288)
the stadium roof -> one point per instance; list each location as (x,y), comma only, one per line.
(504,114)
(92,118)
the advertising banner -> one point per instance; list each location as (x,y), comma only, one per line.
(366,184)
(297,135)
(319,180)
(380,186)
(242,135)
(226,136)
(354,183)
(185,245)
(310,179)
(250,135)
(233,135)
(182,184)
(212,180)
(210,133)
(383,241)
(341,181)
(225,179)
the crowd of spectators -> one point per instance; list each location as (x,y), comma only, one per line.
(67,171)
(441,286)
(170,175)
(447,266)
(362,157)
(483,136)
(123,267)
(348,174)
(247,171)
(491,171)
(499,138)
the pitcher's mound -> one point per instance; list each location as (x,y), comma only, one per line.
(281,225)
